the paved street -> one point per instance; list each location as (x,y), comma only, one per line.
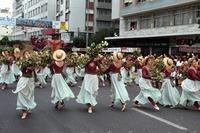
(75,119)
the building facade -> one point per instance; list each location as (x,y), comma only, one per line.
(4,29)
(158,26)
(85,16)
(32,9)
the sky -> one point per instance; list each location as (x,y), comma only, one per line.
(6,4)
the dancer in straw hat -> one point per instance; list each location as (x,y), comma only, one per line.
(25,90)
(170,95)
(148,94)
(191,91)
(16,70)
(60,89)
(119,92)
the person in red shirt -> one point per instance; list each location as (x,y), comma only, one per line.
(148,94)
(25,90)
(138,69)
(170,95)
(119,92)
(191,91)
(60,89)
(90,85)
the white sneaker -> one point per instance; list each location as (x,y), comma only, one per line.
(90,110)
(24,115)
(156,107)
(123,107)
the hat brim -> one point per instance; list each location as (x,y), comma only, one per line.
(165,61)
(59,59)
(117,56)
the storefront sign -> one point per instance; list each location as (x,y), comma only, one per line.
(189,49)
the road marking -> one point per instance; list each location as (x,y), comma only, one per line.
(160,119)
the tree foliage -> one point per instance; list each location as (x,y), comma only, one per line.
(79,42)
(101,34)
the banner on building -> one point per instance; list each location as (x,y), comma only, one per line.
(34,23)
(189,49)
(110,50)
(48,31)
(7,21)
(60,25)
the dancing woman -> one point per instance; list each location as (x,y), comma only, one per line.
(60,89)
(15,69)
(7,75)
(191,91)
(170,95)
(25,90)
(138,69)
(148,94)
(119,92)
(90,85)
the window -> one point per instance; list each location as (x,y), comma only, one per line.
(145,23)
(177,19)
(166,20)
(186,17)
(133,25)
(158,22)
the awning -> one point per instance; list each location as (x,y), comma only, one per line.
(151,36)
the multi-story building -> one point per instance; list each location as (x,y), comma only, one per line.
(158,26)
(84,16)
(32,9)
(5,30)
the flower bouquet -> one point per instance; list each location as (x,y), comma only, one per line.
(82,60)
(4,60)
(71,59)
(156,72)
(30,60)
(104,64)
(45,57)
(95,49)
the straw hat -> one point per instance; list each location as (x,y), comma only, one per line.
(117,56)
(168,62)
(16,50)
(190,60)
(59,55)
(140,59)
(147,58)
(4,52)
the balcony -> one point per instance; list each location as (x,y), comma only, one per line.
(152,5)
(103,5)
(191,29)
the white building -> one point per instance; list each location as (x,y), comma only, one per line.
(84,15)
(5,30)
(32,9)
(157,26)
